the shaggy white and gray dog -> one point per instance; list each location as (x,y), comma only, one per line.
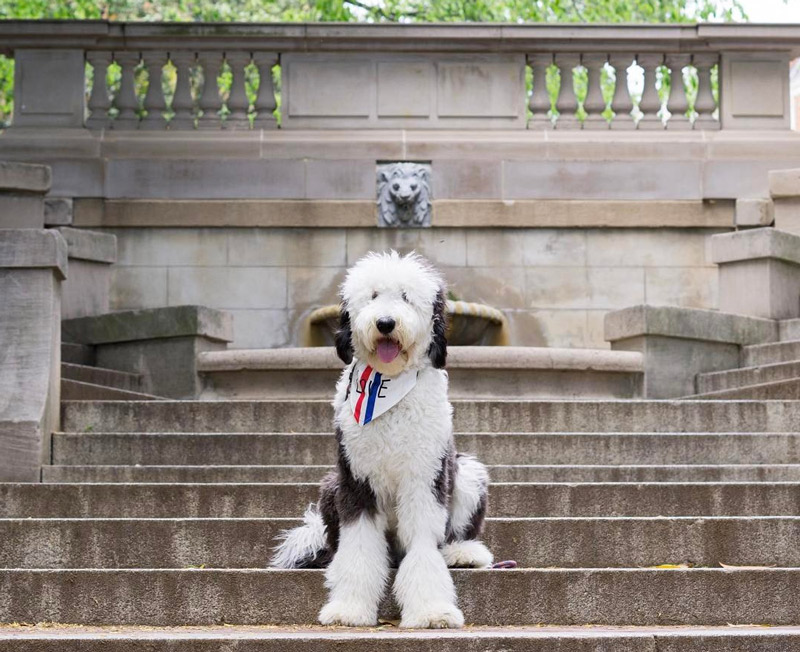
(400,493)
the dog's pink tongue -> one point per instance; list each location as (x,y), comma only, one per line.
(388,350)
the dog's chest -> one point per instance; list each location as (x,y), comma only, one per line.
(404,444)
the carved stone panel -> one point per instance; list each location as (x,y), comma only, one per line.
(404,195)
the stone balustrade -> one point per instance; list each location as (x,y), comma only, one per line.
(154,77)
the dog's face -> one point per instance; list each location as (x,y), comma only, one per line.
(393,314)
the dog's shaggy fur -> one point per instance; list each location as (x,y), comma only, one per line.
(400,492)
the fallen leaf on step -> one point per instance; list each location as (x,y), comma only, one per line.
(684,565)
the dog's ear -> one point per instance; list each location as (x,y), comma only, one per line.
(344,336)
(437,351)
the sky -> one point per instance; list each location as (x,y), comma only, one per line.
(772,11)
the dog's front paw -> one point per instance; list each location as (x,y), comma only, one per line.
(438,616)
(351,614)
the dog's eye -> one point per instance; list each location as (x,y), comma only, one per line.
(374,294)
(405,298)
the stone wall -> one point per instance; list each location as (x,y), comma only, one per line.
(554,284)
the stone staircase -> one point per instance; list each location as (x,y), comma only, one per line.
(82,380)
(153,527)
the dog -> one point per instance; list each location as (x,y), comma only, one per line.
(400,494)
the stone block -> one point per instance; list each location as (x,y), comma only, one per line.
(679,343)
(759,272)
(754,212)
(499,287)
(553,247)
(611,180)
(259,329)
(32,265)
(172,247)
(467,179)
(756,90)
(228,287)
(90,245)
(57,211)
(204,179)
(646,248)
(685,287)
(494,248)
(160,323)
(787,214)
(583,287)
(340,179)
(443,247)
(784,183)
(312,287)
(21,211)
(49,88)
(133,288)
(24,177)
(87,290)
(287,247)
(404,89)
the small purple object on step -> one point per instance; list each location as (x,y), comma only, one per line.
(505,564)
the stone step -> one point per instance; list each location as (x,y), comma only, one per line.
(77,353)
(690,597)
(778,390)
(469,416)
(536,448)
(761,354)
(535,638)
(498,473)
(736,378)
(100,376)
(615,542)
(289,500)
(74,390)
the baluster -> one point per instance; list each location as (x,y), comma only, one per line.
(265,104)
(99,100)
(182,102)
(594,104)
(621,103)
(650,103)
(704,105)
(154,102)
(126,101)
(237,100)
(567,103)
(540,99)
(210,100)
(677,103)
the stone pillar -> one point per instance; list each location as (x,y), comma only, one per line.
(679,343)
(33,263)
(754,90)
(759,272)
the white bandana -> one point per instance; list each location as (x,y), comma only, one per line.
(372,394)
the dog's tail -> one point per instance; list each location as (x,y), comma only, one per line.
(305,546)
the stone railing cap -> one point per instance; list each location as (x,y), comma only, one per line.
(32,248)
(784,183)
(688,323)
(24,177)
(459,357)
(154,323)
(754,244)
(90,245)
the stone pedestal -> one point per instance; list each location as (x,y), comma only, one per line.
(33,263)
(91,255)
(161,344)
(679,343)
(759,272)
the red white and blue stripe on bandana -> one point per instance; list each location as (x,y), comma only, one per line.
(369,385)
(371,393)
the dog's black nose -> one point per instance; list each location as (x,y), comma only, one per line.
(386,325)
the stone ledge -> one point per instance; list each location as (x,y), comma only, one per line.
(688,323)
(784,183)
(31,248)
(754,212)
(459,357)
(156,323)
(90,245)
(24,177)
(754,244)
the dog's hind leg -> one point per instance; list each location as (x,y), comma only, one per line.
(467,514)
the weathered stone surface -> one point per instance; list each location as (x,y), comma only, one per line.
(57,211)
(784,183)
(133,325)
(49,87)
(86,291)
(755,244)
(90,245)
(21,211)
(776,352)
(754,212)
(32,264)
(736,378)
(24,177)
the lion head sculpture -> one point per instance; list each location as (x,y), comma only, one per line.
(404,194)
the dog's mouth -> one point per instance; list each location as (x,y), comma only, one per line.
(387,350)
